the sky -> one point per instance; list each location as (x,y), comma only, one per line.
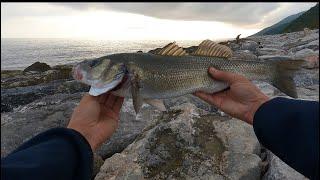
(142,21)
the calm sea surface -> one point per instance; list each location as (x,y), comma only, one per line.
(20,53)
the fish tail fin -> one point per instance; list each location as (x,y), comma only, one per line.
(282,77)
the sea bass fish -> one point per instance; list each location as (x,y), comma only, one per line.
(171,72)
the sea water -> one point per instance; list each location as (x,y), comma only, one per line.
(20,53)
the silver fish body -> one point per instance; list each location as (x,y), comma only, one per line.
(172,72)
(152,77)
(162,77)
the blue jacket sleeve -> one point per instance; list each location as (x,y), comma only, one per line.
(58,153)
(290,129)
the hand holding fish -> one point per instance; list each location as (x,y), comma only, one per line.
(96,117)
(241,100)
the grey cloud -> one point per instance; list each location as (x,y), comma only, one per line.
(235,13)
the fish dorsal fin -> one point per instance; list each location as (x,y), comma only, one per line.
(210,48)
(172,49)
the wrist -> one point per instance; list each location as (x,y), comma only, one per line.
(86,135)
(254,107)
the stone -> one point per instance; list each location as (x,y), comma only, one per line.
(310,56)
(97,163)
(237,135)
(183,144)
(130,126)
(37,66)
(275,57)
(270,51)
(305,53)
(34,118)
(55,111)
(173,102)
(14,97)
(241,166)
(280,170)
(249,45)
(243,55)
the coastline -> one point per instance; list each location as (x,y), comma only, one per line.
(44,97)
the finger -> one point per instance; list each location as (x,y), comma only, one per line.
(118,104)
(204,96)
(214,99)
(224,76)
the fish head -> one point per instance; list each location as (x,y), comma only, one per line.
(98,73)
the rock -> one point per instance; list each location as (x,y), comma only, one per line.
(314,45)
(37,66)
(312,61)
(305,53)
(249,45)
(306,77)
(130,126)
(310,56)
(237,135)
(241,166)
(14,97)
(243,55)
(270,51)
(280,170)
(183,145)
(55,111)
(10,73)
(97,163)
(234,47)
(35,78)
(275,57)
(173,102)
(36,117)
(309,93)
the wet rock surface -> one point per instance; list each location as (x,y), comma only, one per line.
(192,140)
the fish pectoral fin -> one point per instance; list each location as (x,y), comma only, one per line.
(157,103)
(171,49)
(210,48)
(136,96)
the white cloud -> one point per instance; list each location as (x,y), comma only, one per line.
(141,21)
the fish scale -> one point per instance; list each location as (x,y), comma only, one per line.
(171,72)
(168,77)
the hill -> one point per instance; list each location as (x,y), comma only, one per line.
(309,19)
(280,26)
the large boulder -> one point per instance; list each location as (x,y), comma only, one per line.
(15,97)
(29,120)
(55,111)
(249,45)
(270,51)
(38,67)
(280,170)
(130,126)
(184,143)
(243,55)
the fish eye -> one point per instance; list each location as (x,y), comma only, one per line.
(93,63)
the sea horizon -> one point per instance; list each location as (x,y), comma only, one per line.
(19,53)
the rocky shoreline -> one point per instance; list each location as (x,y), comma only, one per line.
(192,140)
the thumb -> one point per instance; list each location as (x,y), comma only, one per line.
(222,75)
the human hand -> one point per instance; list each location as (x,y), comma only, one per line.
(241,100)
(96,118)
